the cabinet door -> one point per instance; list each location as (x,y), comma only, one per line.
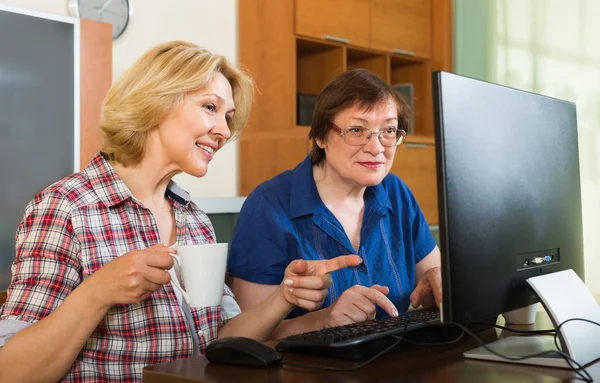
(95,47)
(403,25)
(264,155)
(414,163)
(266,49)
(338,19)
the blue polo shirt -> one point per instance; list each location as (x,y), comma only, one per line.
(284,219)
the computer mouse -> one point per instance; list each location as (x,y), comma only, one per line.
(241,351)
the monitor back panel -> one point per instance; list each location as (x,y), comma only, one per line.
(509,193)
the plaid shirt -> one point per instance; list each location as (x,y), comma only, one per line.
(79,224)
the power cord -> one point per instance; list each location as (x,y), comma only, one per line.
(569,359)
(576,367)
(460,336)
(529,332)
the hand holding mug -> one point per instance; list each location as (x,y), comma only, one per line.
(132,277)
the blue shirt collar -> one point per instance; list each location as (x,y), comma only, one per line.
(303,195)
(305,199)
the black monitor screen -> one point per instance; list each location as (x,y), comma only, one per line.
(509,194)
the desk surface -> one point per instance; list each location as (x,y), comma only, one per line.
(425,364)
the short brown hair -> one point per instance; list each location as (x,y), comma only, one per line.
(157,84)
(356,86)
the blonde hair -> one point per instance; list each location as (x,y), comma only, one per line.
(157,84)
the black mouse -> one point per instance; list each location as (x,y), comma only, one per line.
(242,351)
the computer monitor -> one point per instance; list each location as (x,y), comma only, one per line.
(509,194)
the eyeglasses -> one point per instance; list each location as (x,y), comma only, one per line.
(358,136)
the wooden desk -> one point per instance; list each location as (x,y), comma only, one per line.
(426,364)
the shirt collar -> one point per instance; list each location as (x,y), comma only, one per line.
(304,196)
(111,189)
(378,197)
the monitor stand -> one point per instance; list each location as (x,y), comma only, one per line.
(564,296)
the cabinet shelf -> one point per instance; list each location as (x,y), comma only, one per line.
(294,48)
(373,61)
(419,139)
(316,64)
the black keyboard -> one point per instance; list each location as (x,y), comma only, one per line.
(358,340)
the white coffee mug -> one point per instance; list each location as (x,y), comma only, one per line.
(203,273)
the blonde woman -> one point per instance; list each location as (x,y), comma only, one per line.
(91,298)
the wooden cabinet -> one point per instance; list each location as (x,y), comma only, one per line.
(414,163)
(95,41)
(418,74)
(402,26)
(344,20)
(371,60)
(267,49)
(265,155)
(284,44)
(316,64)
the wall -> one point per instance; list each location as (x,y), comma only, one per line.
(470,38)
(209,23)
(474,57)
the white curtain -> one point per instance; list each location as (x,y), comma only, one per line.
(552,47)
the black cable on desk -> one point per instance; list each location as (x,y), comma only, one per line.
(530,332)
(578,369)
(574,365)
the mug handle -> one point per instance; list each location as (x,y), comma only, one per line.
(175,282)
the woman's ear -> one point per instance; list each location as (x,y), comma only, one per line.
(320,143)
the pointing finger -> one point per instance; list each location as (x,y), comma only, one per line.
(381,300)
(337,263)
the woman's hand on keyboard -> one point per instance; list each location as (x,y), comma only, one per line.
(357,304)
(428,292)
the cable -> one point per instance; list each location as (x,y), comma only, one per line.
(581,373)
(334,368)
(530,332)
(558,346)
(578,370)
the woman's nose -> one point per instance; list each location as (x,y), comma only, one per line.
(221,128)
(374,145)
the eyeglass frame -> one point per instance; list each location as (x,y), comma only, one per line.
(399,141)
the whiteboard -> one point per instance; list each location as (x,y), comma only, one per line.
(39,102)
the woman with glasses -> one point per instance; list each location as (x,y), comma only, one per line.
(341,200)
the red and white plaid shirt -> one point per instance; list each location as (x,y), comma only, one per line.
(79,224)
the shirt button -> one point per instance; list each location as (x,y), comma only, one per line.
(362,268)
